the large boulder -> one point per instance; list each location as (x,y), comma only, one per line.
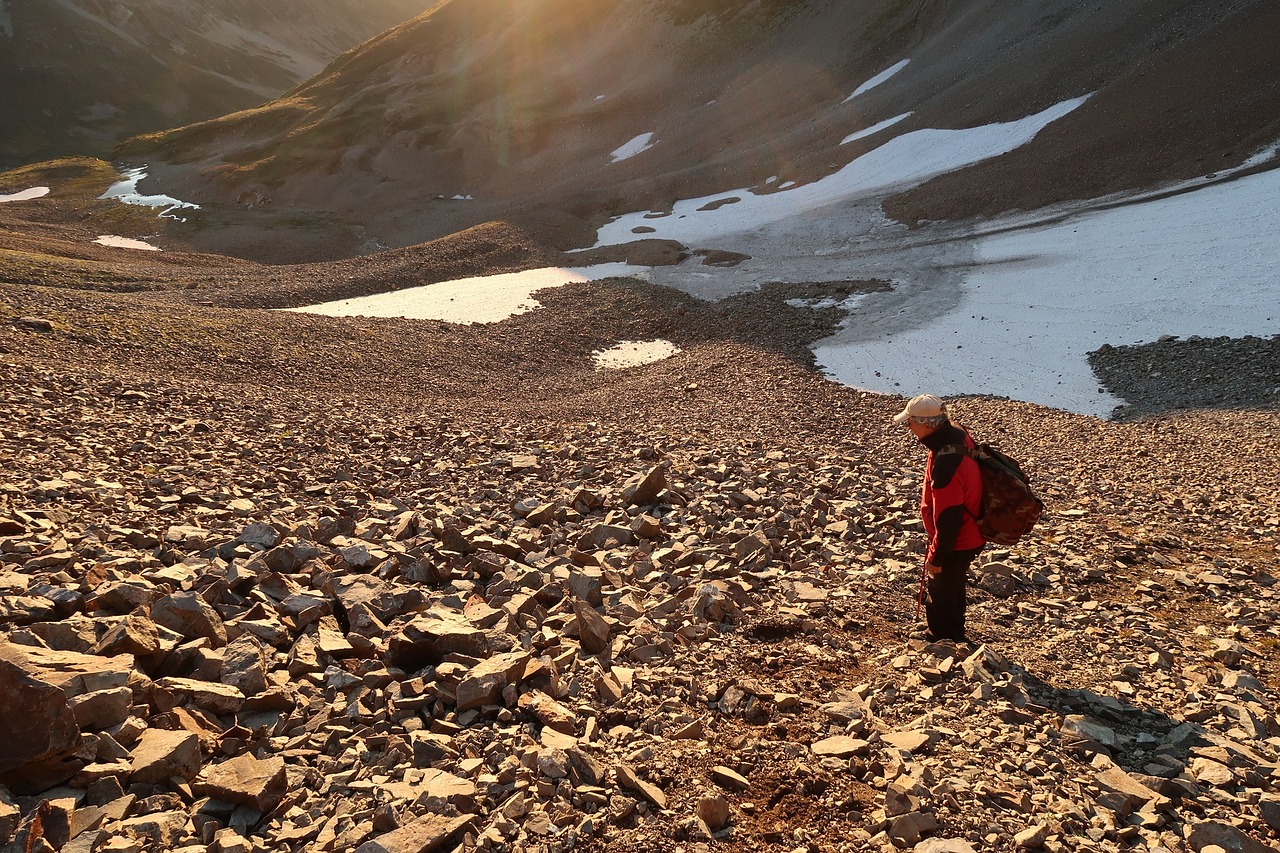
(244,665)
(72,672)
(37,725)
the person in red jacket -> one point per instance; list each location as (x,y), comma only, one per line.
(950,500)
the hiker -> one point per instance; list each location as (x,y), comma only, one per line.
(950,500)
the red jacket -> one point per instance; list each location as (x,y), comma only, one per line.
(951,497)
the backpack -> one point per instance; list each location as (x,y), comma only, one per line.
(1009,508)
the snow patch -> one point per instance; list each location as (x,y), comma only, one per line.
(124,243)
(99,111)
(877,80)
(1040,297)
(126,192)
(847,303)
(479,299)
(6,20)
(25,195)
(904,160)
(634,354)
(875,128)
(1263,156)
(643,142)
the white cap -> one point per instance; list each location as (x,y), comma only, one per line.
(923,406)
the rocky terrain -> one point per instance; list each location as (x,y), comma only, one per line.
(285,582)
(1172,374)
(279,582)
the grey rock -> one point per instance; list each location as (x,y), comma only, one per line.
(1269,811)
(258,535)
(1091,729)
(587,583)
(553,763)
(26,609)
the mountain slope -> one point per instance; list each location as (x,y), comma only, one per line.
(527,109)
(81,75)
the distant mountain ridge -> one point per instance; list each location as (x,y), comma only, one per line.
(80,76)
(484,109)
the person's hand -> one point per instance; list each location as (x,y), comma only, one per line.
(932,569)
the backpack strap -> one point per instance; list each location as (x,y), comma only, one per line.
(965,450)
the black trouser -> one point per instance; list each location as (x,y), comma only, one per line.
(945,601)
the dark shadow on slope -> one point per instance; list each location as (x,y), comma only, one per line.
(1196,108)
(1152,747)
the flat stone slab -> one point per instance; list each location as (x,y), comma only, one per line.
(247,781)
(728,778)
(911,741)
(841,746)
(161,755)
(628,778)
(425,835)
(72,672)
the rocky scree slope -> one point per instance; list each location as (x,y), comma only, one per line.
(248,610)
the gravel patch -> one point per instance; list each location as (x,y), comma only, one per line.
(1195,373)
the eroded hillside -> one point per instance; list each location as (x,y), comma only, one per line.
(479,111)
(81,76)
